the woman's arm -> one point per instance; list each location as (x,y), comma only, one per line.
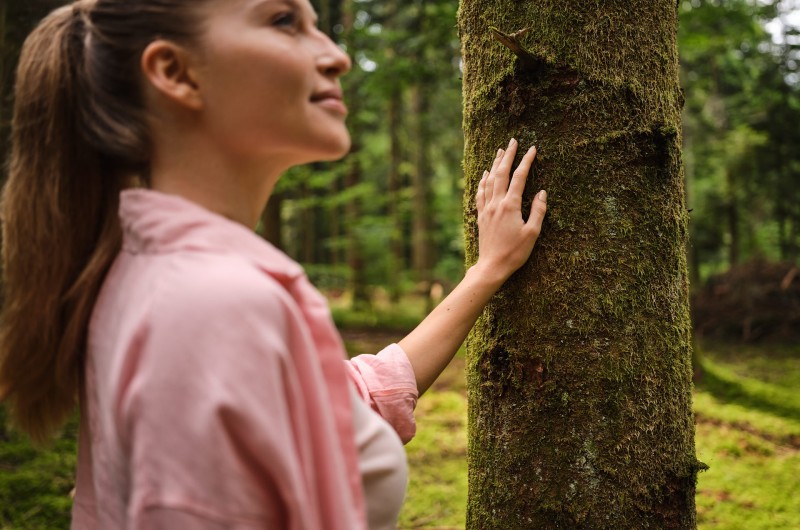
(505,241)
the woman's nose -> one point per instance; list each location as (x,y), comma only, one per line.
(333,61)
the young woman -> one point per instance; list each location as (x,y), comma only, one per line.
(147,137)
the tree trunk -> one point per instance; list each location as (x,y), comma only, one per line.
(271,220)
(355,252)
(335,214)
(395,187)
(5,82)
(732,218)
(421,181)
(310,239)
(579,370)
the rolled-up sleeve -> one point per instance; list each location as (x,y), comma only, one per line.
(387,383)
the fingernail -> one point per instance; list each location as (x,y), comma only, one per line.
(485,174)
(542,196)
(499,153)
(512,142)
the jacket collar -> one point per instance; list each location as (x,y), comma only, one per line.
(159,223)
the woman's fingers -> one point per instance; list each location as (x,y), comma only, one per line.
(538,209)
(517,185)
(497,183)
(492,173)
(497,160)
(480,197)
(501,175)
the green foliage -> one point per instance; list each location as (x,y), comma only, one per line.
(402,316)
(740,130)
(35,485)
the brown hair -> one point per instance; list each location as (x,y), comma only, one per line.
(79,133)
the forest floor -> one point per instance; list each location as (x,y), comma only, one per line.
(748,432)
(747,408)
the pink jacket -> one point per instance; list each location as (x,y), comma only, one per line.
(216,391)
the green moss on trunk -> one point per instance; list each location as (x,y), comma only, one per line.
(580,368)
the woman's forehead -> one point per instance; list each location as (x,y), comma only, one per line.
(257,5)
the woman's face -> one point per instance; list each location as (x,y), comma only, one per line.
(270,82)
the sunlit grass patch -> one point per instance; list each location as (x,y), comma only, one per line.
(748,432)
(437,491)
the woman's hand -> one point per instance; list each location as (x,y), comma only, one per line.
(505,240)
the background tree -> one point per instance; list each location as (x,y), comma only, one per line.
(17,18)
(579,371)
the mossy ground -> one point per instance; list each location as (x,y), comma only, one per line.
(748,432)
(35,485)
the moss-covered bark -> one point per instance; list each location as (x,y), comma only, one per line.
(580,368)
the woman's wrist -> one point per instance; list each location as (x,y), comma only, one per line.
(486,276)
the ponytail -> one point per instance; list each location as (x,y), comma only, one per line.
(60,227)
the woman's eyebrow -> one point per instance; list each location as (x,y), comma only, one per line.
(290,3)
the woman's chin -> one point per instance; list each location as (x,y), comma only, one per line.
(337,149)
(328,149)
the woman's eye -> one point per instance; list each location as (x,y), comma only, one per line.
(285,20)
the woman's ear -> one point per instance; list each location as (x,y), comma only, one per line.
(169,69)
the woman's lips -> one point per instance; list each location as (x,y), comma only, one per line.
(331,99)
(332,103)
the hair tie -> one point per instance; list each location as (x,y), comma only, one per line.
(80,12)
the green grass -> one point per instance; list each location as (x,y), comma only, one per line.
(437,489)
(748,432)
(748,410)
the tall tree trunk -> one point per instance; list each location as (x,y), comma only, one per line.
(309,224)
(579,370)
(688,179)
(395,187)
(329,17)
(5,81)
(422,250)
(271,220)
(335,215)
(732,218)
(355,254)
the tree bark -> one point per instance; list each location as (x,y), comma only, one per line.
(579,370)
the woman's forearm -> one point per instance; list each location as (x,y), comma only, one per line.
(432,344)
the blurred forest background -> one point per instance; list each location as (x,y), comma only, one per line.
(380,232)
(386,221)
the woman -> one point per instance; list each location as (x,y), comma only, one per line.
(147,138)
